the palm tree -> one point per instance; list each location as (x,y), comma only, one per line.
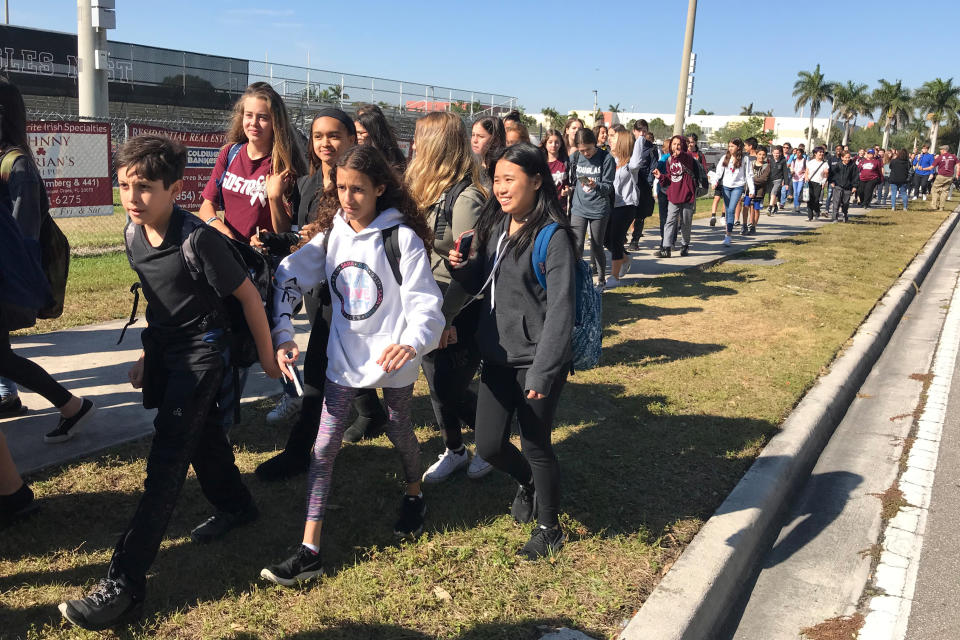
(850,100)
(555,119)
(813,89)
(832,87)
(918,127)
(614,108)
(747,110)
(895,104)
(938,99)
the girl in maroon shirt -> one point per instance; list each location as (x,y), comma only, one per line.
(252,192)
(555,152)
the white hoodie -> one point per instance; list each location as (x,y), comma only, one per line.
(370,310)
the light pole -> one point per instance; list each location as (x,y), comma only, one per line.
(685,70)
(594,107)
(94,17)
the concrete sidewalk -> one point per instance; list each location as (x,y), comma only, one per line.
(88,362)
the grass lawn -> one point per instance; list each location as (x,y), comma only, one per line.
(699,369)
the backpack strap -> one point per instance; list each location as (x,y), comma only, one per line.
(539,254)
(391,245)
(129,233)
(446,208)
(234,150)
(6,165)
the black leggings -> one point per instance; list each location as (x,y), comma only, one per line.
(620,221)
(449,372)
(30,375)
(503,393)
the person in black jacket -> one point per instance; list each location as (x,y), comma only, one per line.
(524,334)
(899,179)
(844,179)
(779,176)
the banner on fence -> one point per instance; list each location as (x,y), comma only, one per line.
(202,151)
(74,162)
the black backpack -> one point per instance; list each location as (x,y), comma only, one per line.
(445,219)
(54,247)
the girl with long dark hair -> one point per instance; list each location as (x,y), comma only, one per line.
(591,175)
(379,330)
(555,151)
(734,174)
(487,140)
(373,128)
(524,334)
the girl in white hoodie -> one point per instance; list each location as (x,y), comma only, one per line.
(383,322)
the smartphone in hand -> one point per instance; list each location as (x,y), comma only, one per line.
(463,244)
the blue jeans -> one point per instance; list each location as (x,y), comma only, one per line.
(784,189)
(899,191)
(797,194)
(9,387)
(731,196)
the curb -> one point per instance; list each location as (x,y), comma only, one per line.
(695,596)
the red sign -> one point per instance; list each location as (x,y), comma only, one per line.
(74,162)
(202,151)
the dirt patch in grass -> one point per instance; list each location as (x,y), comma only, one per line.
(698,371)
(842,628)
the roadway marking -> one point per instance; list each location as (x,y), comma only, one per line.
(896,573)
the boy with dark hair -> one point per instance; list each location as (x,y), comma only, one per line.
(185,355)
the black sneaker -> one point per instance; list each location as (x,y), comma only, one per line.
(544,541)
(220,523)
(364,427)
(10,405)
(685,251)
(282,466)
(524,507)
(303,565)
(745,230)
(67,427)
(753,229)
(110,604)
(410,522)
(17,505)
(663,252)
(634,245)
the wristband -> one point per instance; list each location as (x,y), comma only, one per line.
(212,219)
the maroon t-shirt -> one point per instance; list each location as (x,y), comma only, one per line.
(871,169)
(245,206)
(558,169)
(945,164)
(677,180)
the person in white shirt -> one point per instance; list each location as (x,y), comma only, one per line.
(734,174)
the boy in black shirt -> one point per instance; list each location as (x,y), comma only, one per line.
(183,362)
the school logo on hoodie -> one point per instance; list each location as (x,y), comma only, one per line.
(359,289)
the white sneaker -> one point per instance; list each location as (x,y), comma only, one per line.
(625,269)
(611,283)
(286,409)
(478,467)
(447,462)
(726,241)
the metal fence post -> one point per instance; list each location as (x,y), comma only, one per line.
(401,97)
(341,92)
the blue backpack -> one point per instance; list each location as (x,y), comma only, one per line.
(587,325)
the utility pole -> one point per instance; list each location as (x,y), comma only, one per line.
(94,17)
(678,119)
(594,107)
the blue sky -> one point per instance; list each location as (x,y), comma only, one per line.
(556,53)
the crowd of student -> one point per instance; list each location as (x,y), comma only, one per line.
(401,267)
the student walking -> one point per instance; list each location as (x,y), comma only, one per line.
(779,178)
(442,180)
(798,172)
(251,183)
(591,173)
(570,132)
(645,155)
(185,355)
(871,174)
(899,179)
(734,175)
(946,170)
(922,172)
(555,151)
(25,198)
(678,185)
(625,198)
(844,181)
(524,372)
(753,204)
(386,315)
(816,176)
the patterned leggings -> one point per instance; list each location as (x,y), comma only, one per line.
(334,420)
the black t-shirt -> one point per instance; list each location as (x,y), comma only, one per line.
(177,304)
